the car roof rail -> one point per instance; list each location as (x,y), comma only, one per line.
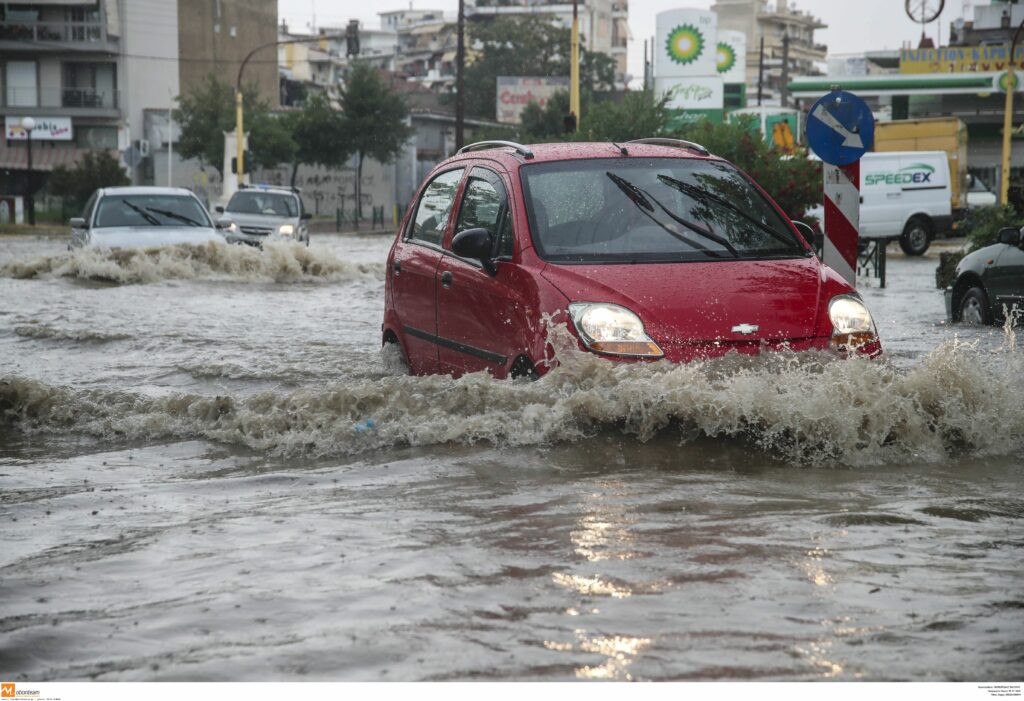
(675,143)
(484,145)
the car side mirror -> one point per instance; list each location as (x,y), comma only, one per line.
(476,244)
(77,223)
(223,222)
(814,239)
(306,215)
(1009,235)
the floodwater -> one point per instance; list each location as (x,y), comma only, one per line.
(209,471)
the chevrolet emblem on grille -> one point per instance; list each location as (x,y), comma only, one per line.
(745,329)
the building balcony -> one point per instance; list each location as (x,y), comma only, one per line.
(75,36)
(61,102)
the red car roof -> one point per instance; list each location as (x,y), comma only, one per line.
(567,151)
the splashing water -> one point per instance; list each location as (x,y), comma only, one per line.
(276,262)
(807,408)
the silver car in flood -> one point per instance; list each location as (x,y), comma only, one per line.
(142,217)
(264,213)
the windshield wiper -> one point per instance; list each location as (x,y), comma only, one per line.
(174,215)
(642,199)
(697,193)
(145,215)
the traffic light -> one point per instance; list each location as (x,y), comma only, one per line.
(247,156)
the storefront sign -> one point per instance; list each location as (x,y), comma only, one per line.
(692,93)
(959,59)
(46,129)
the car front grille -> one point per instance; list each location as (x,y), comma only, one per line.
(256,230)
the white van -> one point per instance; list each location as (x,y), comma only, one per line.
(905,196)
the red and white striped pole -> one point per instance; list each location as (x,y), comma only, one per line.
(842,219)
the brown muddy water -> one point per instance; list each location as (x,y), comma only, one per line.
(209,471)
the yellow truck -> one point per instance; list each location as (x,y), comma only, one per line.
(947,134)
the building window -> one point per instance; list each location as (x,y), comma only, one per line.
(22,84)
(96,138)
(89,85)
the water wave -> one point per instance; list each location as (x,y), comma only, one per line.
(43,331)
(804,408)
(276,262)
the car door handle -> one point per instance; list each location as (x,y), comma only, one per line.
(893,194)
(397,266)
(446,279)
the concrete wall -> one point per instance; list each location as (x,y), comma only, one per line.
(148,30)
(216,35)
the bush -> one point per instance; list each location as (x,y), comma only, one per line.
(981,226)
(96,169)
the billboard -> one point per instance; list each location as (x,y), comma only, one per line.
(685,43)
(731,58)
(959,59)
(46,129)
(515,92)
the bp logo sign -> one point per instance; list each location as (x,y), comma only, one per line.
(726,58)
(1004,82)
(685,44)
(915,174)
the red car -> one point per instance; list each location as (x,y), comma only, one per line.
(645,250)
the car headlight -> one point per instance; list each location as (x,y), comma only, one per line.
(232,227)
(286,230)
(611,329)
(852,325)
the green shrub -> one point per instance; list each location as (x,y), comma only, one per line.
(981,226)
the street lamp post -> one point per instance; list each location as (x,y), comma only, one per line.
(1011,84)
(28,124)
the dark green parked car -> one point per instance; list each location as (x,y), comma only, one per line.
(989,281)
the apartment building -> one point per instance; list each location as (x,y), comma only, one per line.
(776,23)
(604,24)
(90,73)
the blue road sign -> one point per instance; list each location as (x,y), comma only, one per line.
(840,128)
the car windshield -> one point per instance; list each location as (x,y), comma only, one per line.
(150,210)
(272,204)
(651,210)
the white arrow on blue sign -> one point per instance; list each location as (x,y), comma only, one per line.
(840,128)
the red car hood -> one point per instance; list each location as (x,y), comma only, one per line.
(682,303)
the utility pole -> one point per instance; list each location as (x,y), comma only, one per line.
(1011,84)
(760,73)
(574,68)
(460,65)
(784,90)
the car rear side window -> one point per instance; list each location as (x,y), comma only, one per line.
(484,205)
(435,207)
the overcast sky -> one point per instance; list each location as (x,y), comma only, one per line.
(854,25)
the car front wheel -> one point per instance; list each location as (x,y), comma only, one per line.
(973,307)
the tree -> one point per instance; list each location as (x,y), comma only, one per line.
(375,120)
(207,110)
(96,169)
(320,133)
(525,45)
(637,115)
